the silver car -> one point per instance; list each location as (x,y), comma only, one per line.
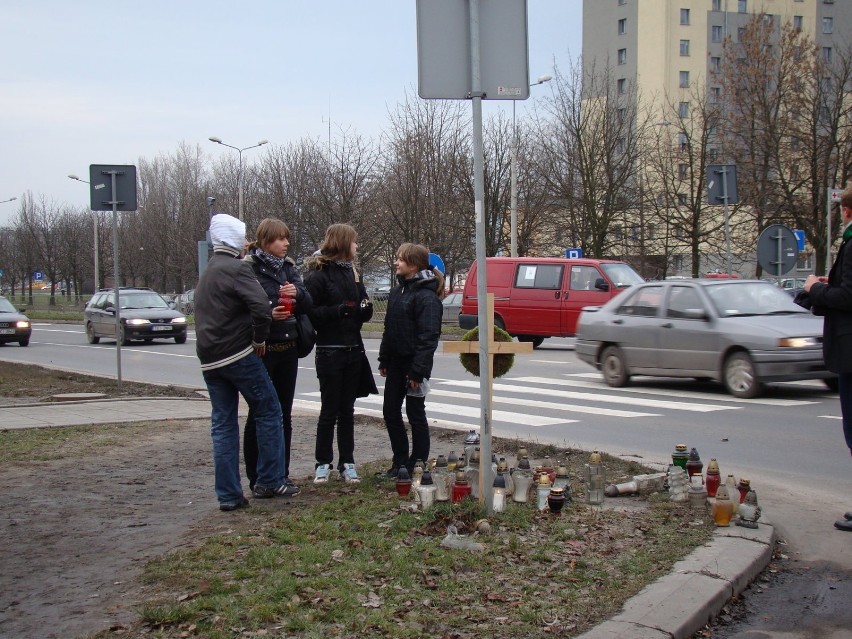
(743,333)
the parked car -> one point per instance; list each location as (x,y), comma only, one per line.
(452,306)
(539,297)
(744,333)
(789,283)
(144,316)
(380,294)
(14,325)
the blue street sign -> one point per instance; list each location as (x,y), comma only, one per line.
(800,239)
(38,276)
(573,253)
(436,261)
(1,272)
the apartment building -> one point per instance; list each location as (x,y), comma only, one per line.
(660,50)
(664,46)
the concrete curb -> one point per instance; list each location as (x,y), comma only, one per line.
(679,604)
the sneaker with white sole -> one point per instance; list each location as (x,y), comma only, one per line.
(322,473)
(349,475)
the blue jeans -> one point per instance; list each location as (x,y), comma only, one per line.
(246,377)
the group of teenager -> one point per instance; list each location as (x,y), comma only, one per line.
(246,341)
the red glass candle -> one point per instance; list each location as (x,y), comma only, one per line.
(287,303)
(403,482)
(714,477)
(461,488)
(743,487)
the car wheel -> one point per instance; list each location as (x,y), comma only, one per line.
(832,384)
(24,342)
(499,323)
(180,339)
(90,334)
(614,368)
(537,341)
(740,376)
(122,335)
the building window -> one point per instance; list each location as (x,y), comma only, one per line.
(826,54)
(717,5)
(622,86)
(622,26)
(716,34)
(684,16)
(684,47)
(682,171)
(742,6)
(620,145)
(683,110)
(684,143)
(621,2)
(622,56)
(679,234)
(828,25)
(711,131)
(684,79)
(621,115)
(715,94)
(741,34)
(715,63)
(797,23)
(712,154)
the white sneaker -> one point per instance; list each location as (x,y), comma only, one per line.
(322,473)
(349,475)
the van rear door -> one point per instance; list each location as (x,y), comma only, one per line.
(584,289)
(534,300)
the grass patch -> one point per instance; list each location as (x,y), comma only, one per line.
(43,444)
(349,561)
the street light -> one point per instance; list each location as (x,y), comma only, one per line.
(514,174)
(213,138)
(11,199)
(95,228)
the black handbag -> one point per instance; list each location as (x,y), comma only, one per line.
(306,337)
(367,383)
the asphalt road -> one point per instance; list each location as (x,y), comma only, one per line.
(789,442)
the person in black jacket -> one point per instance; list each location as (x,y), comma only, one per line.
(832,297)
(412,331)
(232,319)
(341,306)
(278,276)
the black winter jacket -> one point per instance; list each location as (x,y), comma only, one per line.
(231,311)
(412,325)
(270,280)
(330,286)
(834,300)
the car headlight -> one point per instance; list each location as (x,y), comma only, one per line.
(798,342)
(179,320)
(138,322)
(22,324)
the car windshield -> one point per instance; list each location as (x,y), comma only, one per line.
(751,298)
(6,306)
(622,275)
(142,300)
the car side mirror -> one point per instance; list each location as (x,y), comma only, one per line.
(109,308)
(694,313)
(601,284)
(22,309)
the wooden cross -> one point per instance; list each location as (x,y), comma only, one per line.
(492,348)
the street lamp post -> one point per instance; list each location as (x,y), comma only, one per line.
(11,199)
(513,170)
(97,251)
(213,138)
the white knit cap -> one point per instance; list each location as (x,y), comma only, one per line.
(228,230)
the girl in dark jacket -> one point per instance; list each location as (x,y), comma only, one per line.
(341,306)
(277,275)
(412,331)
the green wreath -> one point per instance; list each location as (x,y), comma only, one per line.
(503,362)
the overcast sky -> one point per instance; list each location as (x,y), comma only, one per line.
(85,82)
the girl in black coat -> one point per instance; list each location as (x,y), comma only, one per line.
(277,274)
(412,331)
(341,306)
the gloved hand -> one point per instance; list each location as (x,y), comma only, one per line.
(365,311)
(346,310)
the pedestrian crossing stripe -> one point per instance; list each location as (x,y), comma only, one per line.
(595,397)
(469,411)
(600,385)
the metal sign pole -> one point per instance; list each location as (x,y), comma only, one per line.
(116,286)
(729,267)
(827,229)
(481,273)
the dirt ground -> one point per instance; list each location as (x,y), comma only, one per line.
(75,533)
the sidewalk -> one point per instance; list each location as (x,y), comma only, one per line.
(675,606)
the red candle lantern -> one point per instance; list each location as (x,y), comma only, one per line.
(461,488)
(714,477)
(403,482)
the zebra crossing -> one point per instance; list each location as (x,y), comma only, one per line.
(551,401)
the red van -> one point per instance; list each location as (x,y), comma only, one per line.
(538,297)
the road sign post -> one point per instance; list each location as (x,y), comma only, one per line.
(833,198)
(113,187)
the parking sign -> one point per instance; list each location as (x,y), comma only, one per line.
(573,253)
